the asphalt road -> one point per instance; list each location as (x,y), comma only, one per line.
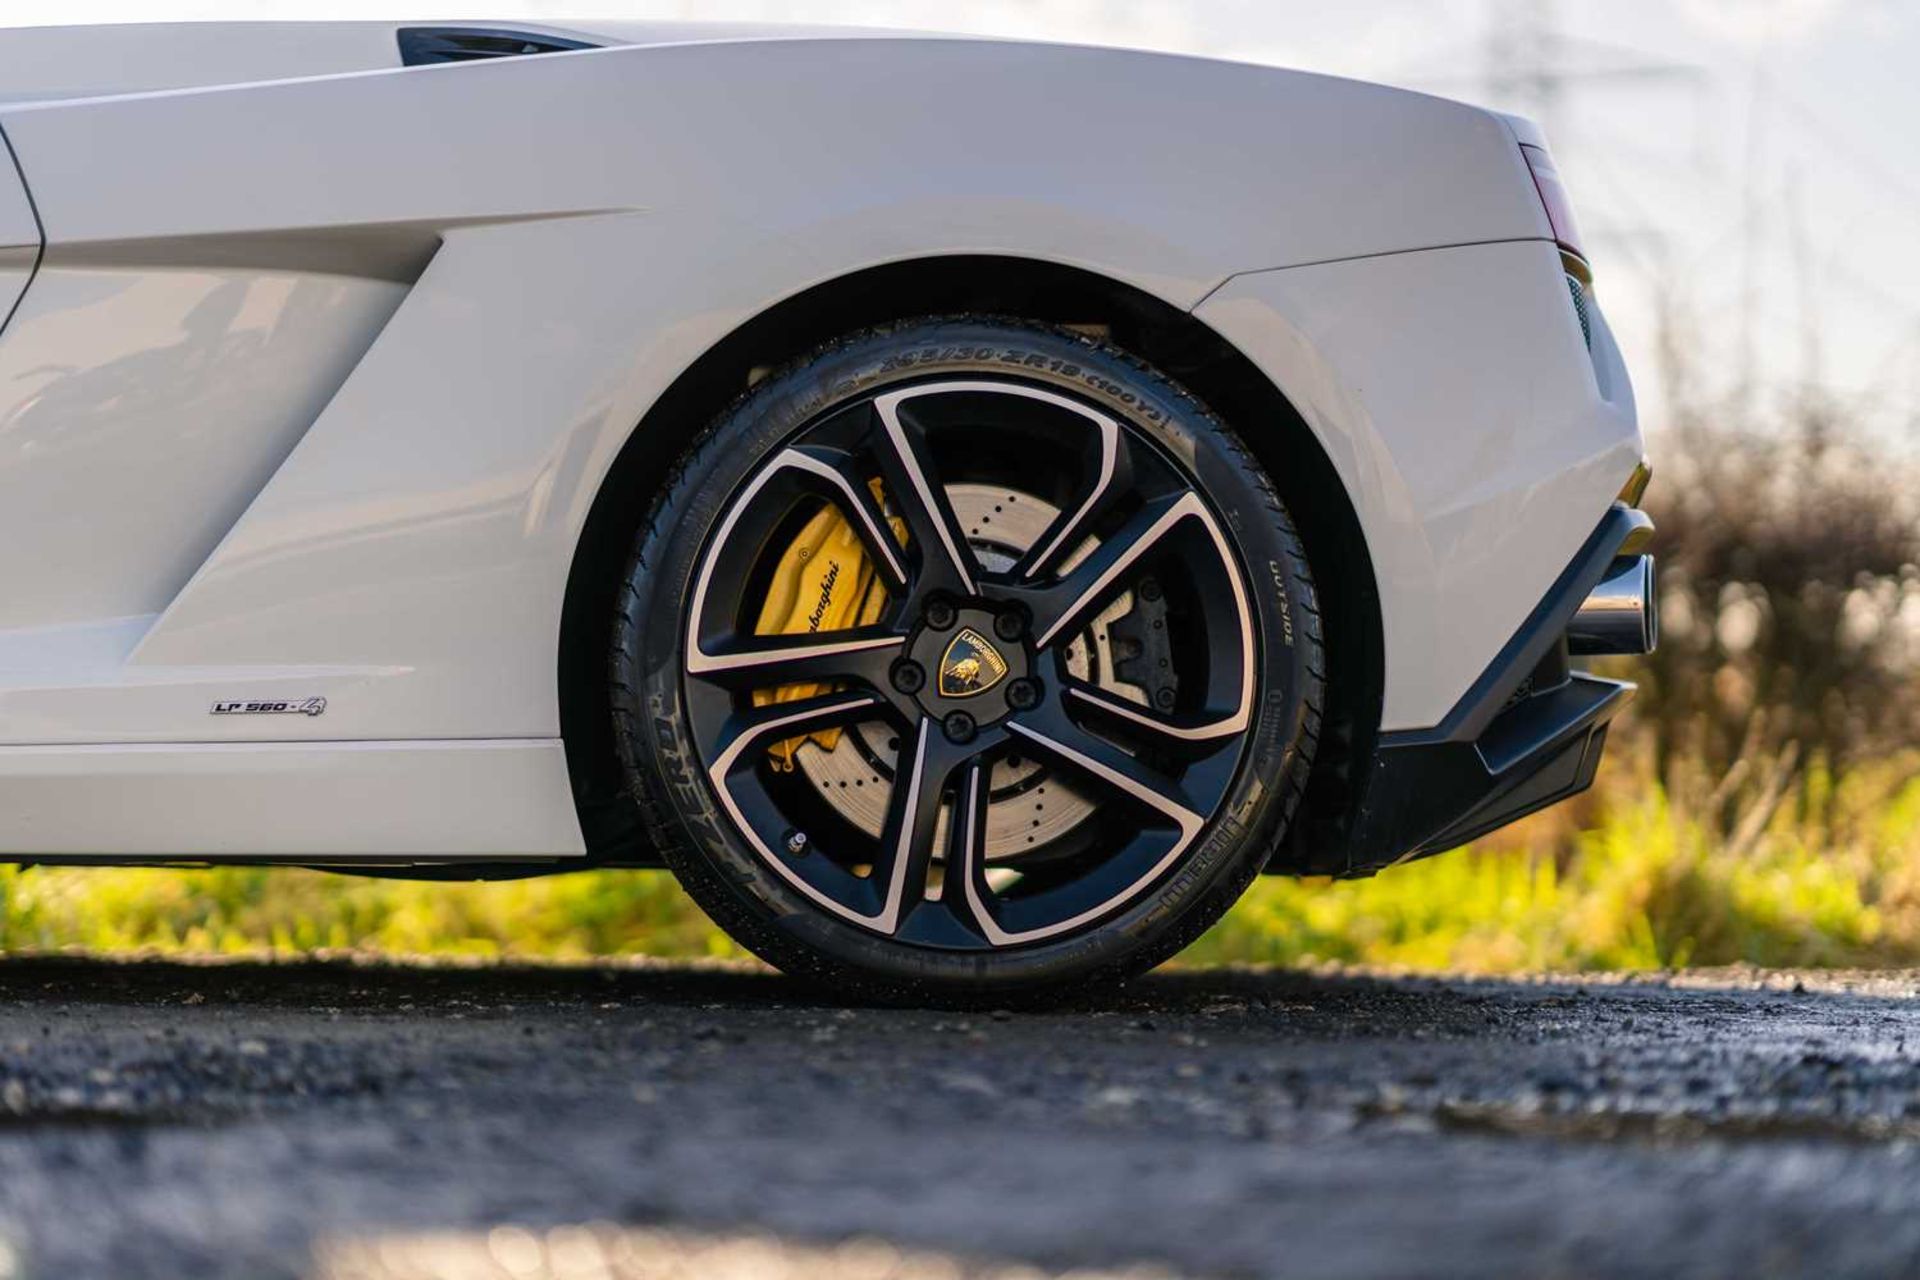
(346,1123)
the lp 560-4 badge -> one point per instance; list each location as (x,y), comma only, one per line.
(270,707)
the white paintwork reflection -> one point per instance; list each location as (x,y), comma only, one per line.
(141,411)
(321,372)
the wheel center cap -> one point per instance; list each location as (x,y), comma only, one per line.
(970,666)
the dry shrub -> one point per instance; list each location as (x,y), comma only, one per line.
(1790,604)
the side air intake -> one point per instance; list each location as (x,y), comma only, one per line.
(426,46)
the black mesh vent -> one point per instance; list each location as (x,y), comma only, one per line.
(1580,305)
(424,46)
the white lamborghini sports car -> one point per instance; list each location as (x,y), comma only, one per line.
(965,506)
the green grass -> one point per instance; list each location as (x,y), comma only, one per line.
(231,910)
(1627,878)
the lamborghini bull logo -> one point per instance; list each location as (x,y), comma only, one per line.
(970,665)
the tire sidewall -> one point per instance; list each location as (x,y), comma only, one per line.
(730,879)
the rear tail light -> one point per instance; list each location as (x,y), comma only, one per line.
(1553,198)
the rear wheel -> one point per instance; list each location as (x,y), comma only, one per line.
(963,658)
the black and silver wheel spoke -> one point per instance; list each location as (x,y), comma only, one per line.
(749,730)
(1107,467)
(758,816)
(966,870)
(764,662)
(720,649)
(928,763)
(1164,828)
(1058,609)
(915,487)
(834,470)
(1125,775)
(1164,730)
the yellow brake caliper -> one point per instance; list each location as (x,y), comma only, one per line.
(824,582)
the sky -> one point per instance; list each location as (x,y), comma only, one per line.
(1746,171)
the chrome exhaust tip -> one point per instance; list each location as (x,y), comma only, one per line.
(1622,615)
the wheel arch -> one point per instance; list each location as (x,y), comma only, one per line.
(1171,339)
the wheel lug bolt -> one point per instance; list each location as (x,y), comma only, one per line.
(959,726)
(1009,626)
(1163,698)
(1149,589)
(1023,694)
(908,676)
(940,615)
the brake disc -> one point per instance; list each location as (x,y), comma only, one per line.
(1031,805)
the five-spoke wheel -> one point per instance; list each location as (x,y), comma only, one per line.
(988,668)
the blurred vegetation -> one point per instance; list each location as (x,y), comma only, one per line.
(1760,801)
(1790,566)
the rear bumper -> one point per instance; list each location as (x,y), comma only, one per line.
(1530,731)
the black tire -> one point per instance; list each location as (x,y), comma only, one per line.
(669,758)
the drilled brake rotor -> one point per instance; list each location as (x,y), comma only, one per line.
(1031,806)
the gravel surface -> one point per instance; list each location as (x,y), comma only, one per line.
(347,1122)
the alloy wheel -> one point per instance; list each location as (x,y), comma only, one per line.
(1103,659)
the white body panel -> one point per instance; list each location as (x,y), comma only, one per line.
(19,236)
(382,802)
(319,378)
(1477,455)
